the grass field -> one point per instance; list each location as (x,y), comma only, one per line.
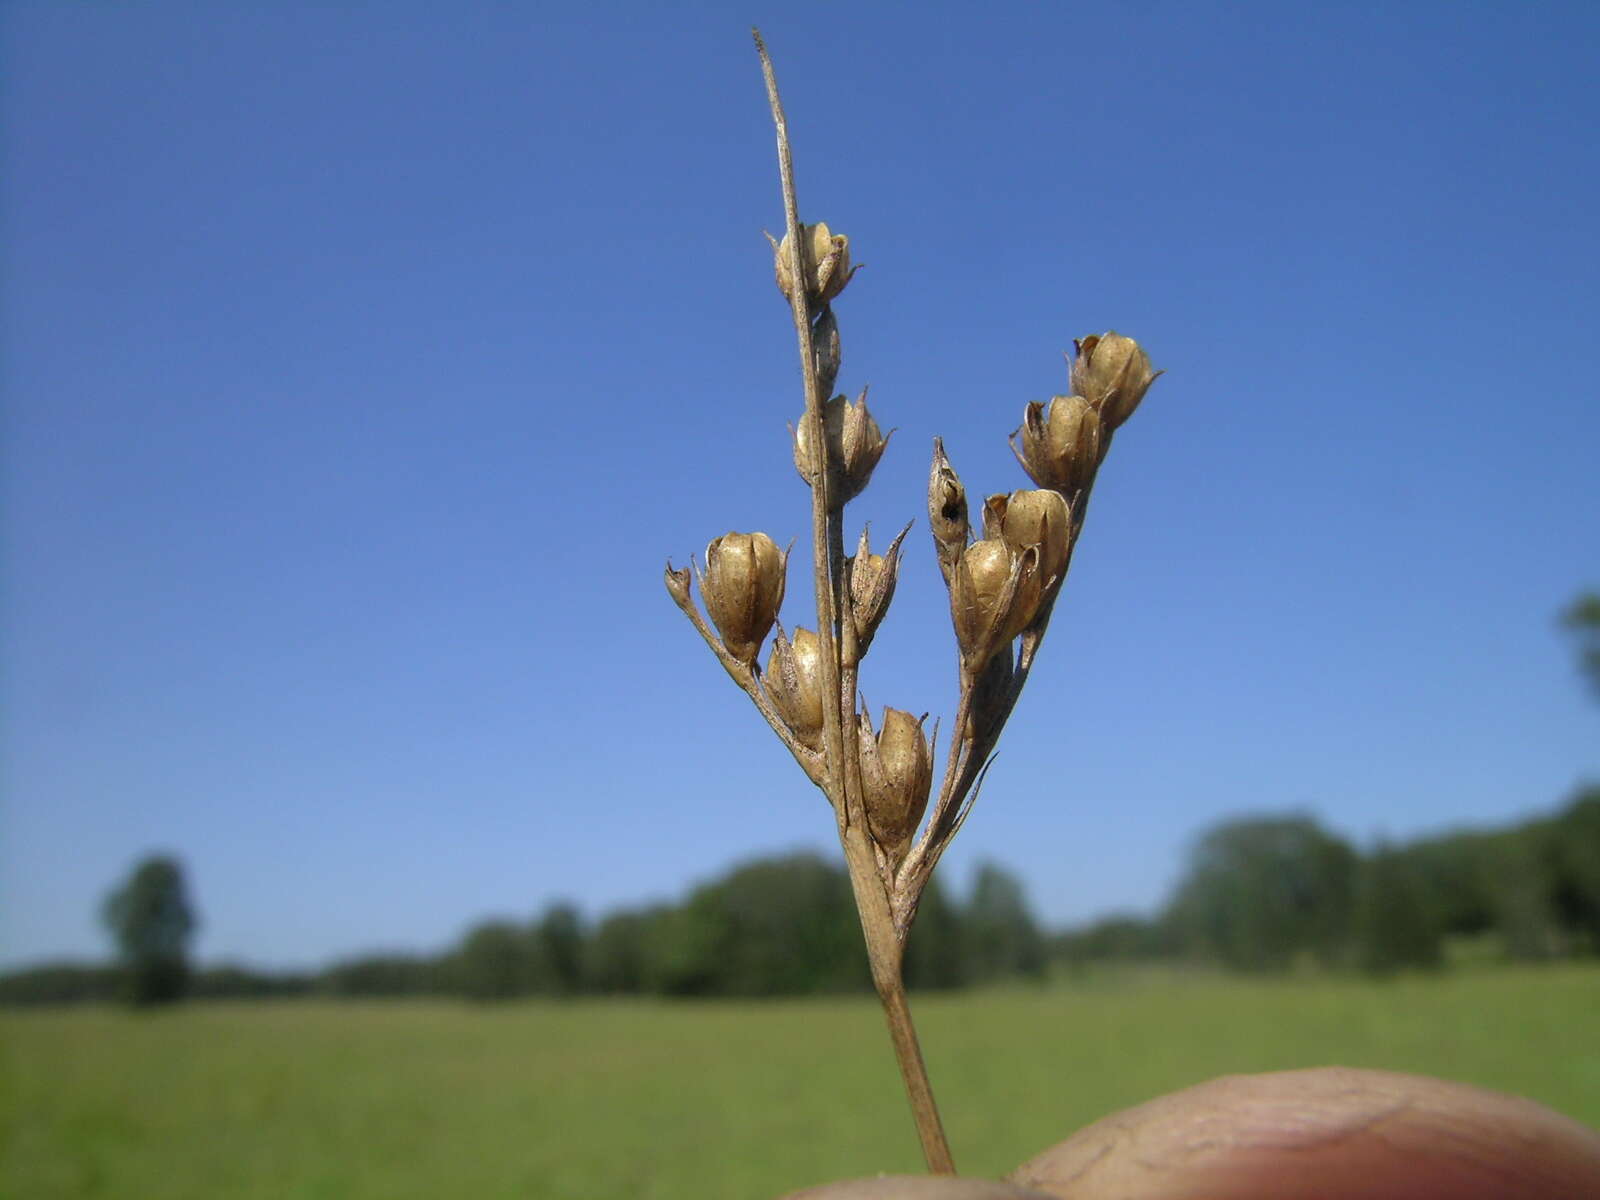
(702,1100)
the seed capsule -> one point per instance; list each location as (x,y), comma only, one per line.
(824,259)
(1112,373)
(947,510)
(677,581)
(1062,444)
(1032,518)
(994,594)
(872,580)
(794,683)
(896,771)
(743,589)
(855,444)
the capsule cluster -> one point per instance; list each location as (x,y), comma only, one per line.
(1064,442)
(1003,584)
(742,583)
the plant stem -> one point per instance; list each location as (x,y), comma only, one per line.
(886,953)
(885,947)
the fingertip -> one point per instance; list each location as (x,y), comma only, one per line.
(1326,1133)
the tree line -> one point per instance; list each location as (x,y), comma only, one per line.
(1259,894)
(1272,892)
(777,926)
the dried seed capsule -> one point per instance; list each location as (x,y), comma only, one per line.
(994,594)
(855,444)
(743,590)
(677,581)
(1032,518)
(824,258)
(947,510)
(1112,373)
(872,580)
(896,771)
(794,683)
(1062,446)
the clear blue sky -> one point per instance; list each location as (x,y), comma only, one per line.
(363,363)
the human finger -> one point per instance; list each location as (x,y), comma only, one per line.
(1327,1134)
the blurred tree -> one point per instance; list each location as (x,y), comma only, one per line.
(152,921)
(622,956)
(1454,872)
(1119,937)
(381,975)
(557,951)
(1582,619)
(1574,850)
(1522,889)
(1260,890)
(1394,924)
(1000,935)
(231,981)
(495,961)
(936,950)
(60,983)
(775,926)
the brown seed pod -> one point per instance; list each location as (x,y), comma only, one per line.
(794,683)
(896,772)
(677,581)
(994,594)
(1063,444)
(855,444)
(1112,373)
(947,510)
(1032,518)
(743,589)
(824,258)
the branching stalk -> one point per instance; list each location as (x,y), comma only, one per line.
(1003,587)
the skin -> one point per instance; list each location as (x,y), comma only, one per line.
(1327,1134)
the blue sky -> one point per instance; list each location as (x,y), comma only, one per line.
(363,363)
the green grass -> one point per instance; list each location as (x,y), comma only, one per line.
(656,1100)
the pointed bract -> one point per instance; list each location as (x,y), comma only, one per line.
(872,582)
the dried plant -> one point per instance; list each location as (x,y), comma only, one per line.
(1002,585)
